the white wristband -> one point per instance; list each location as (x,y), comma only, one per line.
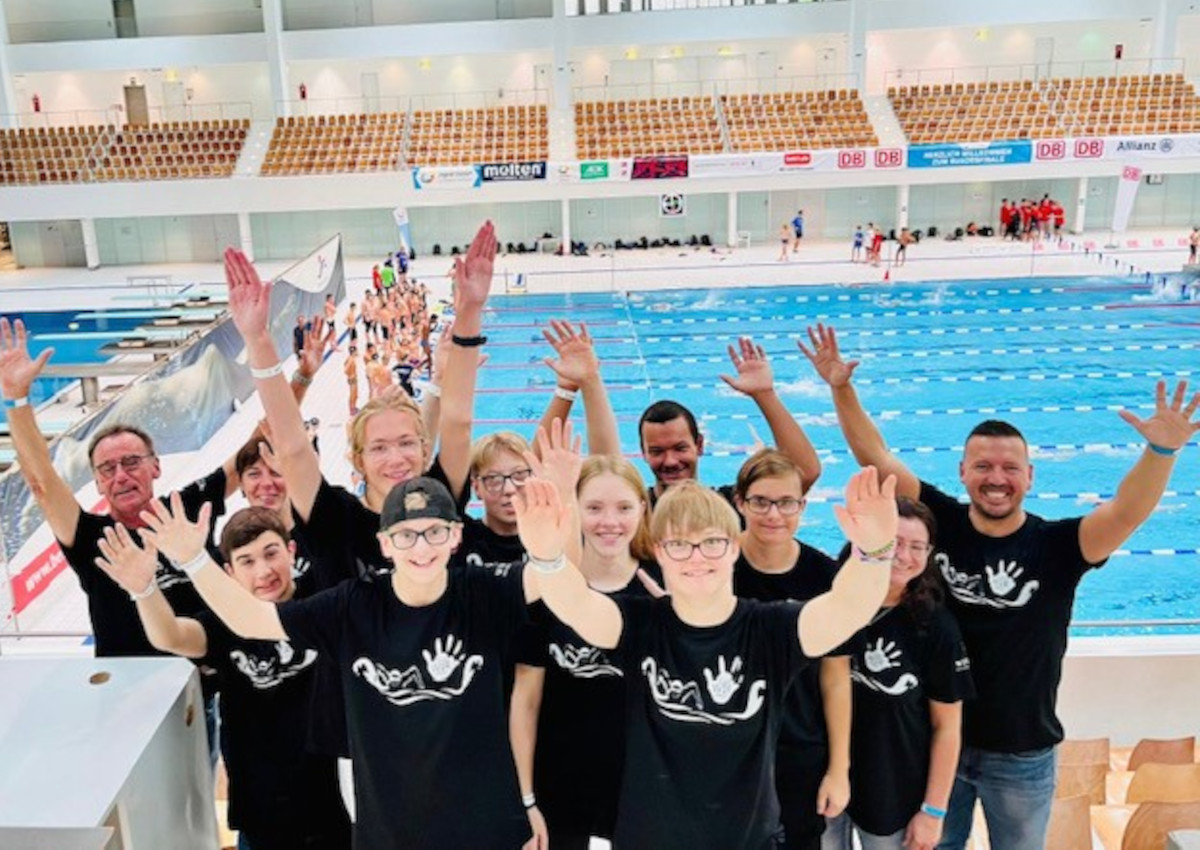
(548,567)
(268,372)
(192,566)
(528,801)
(433,390)
(565,394)
(145,594)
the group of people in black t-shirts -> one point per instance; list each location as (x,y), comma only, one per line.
(665,667)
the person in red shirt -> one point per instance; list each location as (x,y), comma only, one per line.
(1005,216)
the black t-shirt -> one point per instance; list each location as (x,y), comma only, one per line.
(276,788)
(1012,597)
(500,554)
(703,712)
(581,726)
(898,665)
(812,575)
(115,622)
(426,708)
(341,533)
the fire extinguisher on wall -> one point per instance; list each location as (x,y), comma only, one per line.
(303,92)
(37,103)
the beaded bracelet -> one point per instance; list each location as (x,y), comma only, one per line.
(548,567)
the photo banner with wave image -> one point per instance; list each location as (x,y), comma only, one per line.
(180,404)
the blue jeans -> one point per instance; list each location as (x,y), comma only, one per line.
(838,836)
(1016,790)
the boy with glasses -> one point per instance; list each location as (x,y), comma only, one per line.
(498,470)
(422,656)
(707,672)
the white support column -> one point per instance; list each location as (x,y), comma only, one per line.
(565,212)
(731,219)
(245,235)
(561,84)
(856,44)
(901,206)
(91,247)
(281,90)
(8,94)
(1166,35)
(1080,215)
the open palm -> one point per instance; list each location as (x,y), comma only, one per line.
(17,369)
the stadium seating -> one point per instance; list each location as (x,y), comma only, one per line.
(655,127)
(783,120)
(467,136)
(1049,108)
(170,151)
(323,144)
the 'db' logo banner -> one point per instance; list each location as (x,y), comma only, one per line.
(1131,178)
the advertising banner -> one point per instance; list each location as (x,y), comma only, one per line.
(447,177)
(507,172)
(784,162)
(956,155)
(1117,147)
(734,164)
(659,167)
(1131,178)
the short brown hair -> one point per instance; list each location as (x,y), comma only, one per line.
(115,429)
(689,507)
(485,449)
(765,463)
(246,526)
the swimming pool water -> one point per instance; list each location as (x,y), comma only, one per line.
(1057,357)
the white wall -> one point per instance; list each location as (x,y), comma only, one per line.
(316,14)
(246,88)
(58,20)
(198,17)
(955,204)
(1076,42)
(607,219)
(165,239)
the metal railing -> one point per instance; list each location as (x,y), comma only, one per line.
(717,88)
(1033,71)
(115,115)
(315,106)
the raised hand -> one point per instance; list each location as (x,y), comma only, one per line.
(131,566)
(170,531)
(1171,426)
(826,358)
(473,272)
(249,295)
(316,339)
(754,375)
(18,370)
(577,362)
(542,520)
(869,518)
(558,458)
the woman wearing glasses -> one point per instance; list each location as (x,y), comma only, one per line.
(812,771)
(707,673)
(910,673)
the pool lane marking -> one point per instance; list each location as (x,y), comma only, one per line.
(966,352)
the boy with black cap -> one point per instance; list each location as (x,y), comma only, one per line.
(422,659)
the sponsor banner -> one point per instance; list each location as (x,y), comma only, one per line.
(1131,178)
(1117,147)
(734,164)
(868,159)
(955,155)
(659,167)
(594,170)
(447,177)
(29,583)
(507,172)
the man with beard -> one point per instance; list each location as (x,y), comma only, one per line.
(1012,578)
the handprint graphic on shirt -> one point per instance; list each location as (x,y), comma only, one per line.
(444,659)
(880,657)
(1003,579)
(405,687)
(725,683)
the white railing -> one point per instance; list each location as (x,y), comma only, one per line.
(1033,71)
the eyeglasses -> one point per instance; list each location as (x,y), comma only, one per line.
(921,550)
(494,482)
(710,547)
(404,538)
(128,463)
(788,505)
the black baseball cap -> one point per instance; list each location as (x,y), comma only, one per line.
(420,498)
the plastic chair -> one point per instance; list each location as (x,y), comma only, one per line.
(1086,780)
(1070,824)
(1163,751)
(1165,783)
(1150,824)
